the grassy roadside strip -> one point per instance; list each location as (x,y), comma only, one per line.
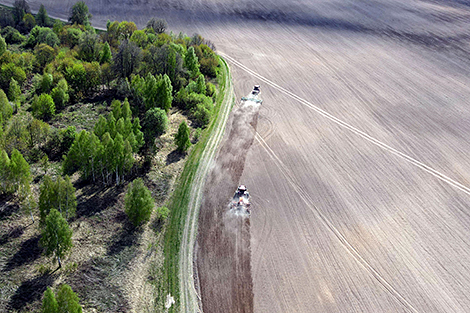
(181,197)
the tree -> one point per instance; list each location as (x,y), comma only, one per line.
(126,29)
(56,235)
(89,47)
(60,94)
(127,59)
(3,46)
(49,303)
(158,25)
(9,71)
(4,171)
(5,108)
(166,90)
(42,18)
(44,54)
(59,194)
(79,14)
(45,163)
(67,300)
(182,137)
(201,84)
(20,8)
(43,106)
(191,62)
(105,54)
(162,213)
(138,202)
(28,22)
(14,92)
(156,123)
(20,174)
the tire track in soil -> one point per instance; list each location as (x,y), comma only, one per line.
(224,252)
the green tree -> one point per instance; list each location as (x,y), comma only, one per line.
(59,194)
(105,55)
(191,62)
(155,124)
(166,90)
(162,213)
(4,171)
(79,14)
(49,303)
(138,202)
(201,84)
(20,8)
(127,59)
(45,163)
(140,38)
(60,94)
(9,71)
(42,18)
(44,54)
(126,29)
(43,107)
(89,47)
(67,300)
(158,25)
(29,22)
(3,46)
(5,108)
(56,236)
(182,137)
(20,174)
(14,92)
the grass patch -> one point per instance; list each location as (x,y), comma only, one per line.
(180,200)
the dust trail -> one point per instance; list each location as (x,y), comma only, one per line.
(224,253)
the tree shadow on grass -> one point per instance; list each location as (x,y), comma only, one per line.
(29,251)
(174,157)
(30,291)
(127,237)
(95,199)
(15,233)
(7,208)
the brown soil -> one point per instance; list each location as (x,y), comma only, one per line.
(224,252)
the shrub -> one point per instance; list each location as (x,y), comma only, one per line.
(3,46)
(182,137)
(9,71)
(70,35)
(155,124)
(44,54)
(12,36)
(162,213)
(138,202)
(210,89)
(43,107)
(60,94)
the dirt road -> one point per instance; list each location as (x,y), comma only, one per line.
(339,223)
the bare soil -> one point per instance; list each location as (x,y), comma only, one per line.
(224,252)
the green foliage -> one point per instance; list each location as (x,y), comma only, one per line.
(45,163)
(28,22)
(127,59)
(70,35)
(126,29)
(79,14)
(43,107)
(67,300)
(56,236)
(5,108)
(166,90)
(202,113)
(157,92)
(89,47)
(155,124)
(157,25)
(191,62)
(12,35)
(138,202)
(208,60)
(42,83)
(182,137)
(20,175)
(3,46)
(20,8)
(59,194)
(163,213)
(60,94)
(14,92)
(9,71)
(210,89)
(42,18)
(49,303)
(105,54)
(40,35)
(37,131)
(140,38)
(44,54)
(83,78)
(201,84)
